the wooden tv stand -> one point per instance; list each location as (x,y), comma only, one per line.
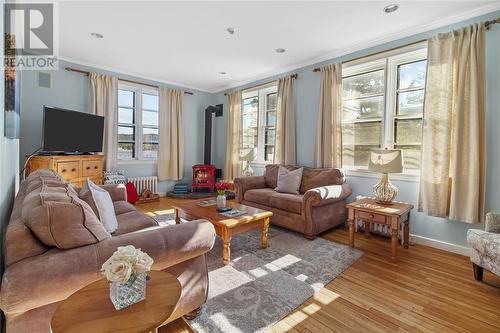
(73,168)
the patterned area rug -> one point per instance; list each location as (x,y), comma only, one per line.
(262,286)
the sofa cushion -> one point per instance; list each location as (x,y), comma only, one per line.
(271,174)
(132,221)
(312,178)
(61,219)
(100,202)
(289,180)
(123,207)
(269,197)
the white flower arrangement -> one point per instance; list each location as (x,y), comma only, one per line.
(127,261)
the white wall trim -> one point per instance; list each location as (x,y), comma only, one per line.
(437,244)
(446,21)
(405,177)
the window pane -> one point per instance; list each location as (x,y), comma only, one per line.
(411,156)
(149,102)
(356,155)
(150,135)
(250,138)
(126,116)
(363,84)
(125,150)
(272,101)
(270,136)
(150,118)
(269,153)
(126,98)
(250,120)
(408,131)
(150,150)
(371,107)
(411,102)
(126,133)
(412,75)
(358,139)
(271,118)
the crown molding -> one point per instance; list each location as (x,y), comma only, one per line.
(368,44)
(119,71)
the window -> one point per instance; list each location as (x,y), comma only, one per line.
(258,119)
(382,107)
(137,123)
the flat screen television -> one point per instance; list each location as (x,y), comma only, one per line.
(66,131)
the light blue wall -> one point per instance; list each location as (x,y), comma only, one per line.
(306,97)
(9,167)
(71,91)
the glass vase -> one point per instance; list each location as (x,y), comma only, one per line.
(128,293)
(221,201)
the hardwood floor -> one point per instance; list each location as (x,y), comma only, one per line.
(426,290)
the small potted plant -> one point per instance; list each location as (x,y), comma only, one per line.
(127,270)
(221,188)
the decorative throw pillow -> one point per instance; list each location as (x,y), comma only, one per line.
(132,195)
(114,177)
(100,202)
(289,180)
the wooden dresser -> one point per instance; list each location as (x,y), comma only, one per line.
(73,168)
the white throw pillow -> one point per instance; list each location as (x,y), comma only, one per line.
(289,181)
(100,202)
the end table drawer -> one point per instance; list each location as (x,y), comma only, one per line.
(377,218)
(68,170)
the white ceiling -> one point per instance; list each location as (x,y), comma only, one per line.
(186,43)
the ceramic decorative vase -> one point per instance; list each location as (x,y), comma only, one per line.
(221,201)
(128,293)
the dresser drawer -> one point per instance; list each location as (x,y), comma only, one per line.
(371,217)
(91,168)
(68,170)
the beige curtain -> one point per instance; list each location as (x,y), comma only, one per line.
(284,149)
(328,152)
(171,143)
(104,102)
(232,167)
(452,181)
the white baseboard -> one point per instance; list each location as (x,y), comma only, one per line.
(458,249)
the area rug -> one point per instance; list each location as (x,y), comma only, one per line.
(262,286)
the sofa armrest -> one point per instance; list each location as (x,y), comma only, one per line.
(56,274)
(492,223)
(118,192)
(243,184)
(325,195)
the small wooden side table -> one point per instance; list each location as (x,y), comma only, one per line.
(369,211)
(90,308)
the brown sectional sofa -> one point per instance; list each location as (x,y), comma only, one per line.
(319,206)
(38,276)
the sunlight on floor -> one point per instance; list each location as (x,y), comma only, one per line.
(161,212)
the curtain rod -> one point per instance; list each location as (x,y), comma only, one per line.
(487,25)
(69,69)
(293,76)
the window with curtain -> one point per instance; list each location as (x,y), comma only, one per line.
(258,119)
(138,131)
(382,107)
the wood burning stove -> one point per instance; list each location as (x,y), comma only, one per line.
(204,174)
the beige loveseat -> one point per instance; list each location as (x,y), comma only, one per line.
(40,273)
(319,206)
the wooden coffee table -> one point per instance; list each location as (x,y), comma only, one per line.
(90,308)
(226,227)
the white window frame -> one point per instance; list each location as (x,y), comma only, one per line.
(138,125)
(389,61)
(261,93)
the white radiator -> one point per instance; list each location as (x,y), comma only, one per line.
(145,183)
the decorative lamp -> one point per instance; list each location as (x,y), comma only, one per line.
(385,161)
(248,157)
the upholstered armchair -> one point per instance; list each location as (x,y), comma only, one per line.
(485,247)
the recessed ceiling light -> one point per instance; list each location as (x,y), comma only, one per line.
(231,30)
(280,50)
(96,35)
(222,73)
(391,8)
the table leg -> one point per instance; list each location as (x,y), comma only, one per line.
(177,217)
(394,238)
(226,246)
(367,229)
(265,233)
(406,233)
(351,227)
